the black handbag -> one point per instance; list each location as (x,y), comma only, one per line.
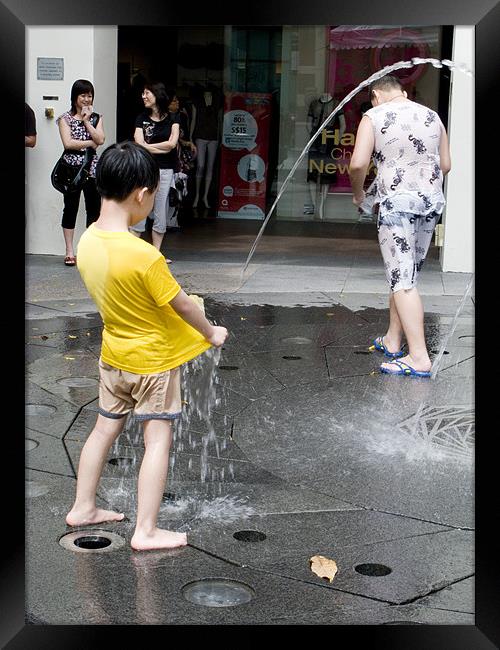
(68,178)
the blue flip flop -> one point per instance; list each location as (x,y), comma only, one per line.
(378,344)
(406,370)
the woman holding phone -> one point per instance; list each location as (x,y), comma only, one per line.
(78,134)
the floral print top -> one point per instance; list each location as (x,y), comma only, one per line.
(406,154)
(78,132)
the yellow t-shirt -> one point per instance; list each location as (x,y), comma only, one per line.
(132,286)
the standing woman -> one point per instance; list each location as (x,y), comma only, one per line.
(157,130)
(77,135)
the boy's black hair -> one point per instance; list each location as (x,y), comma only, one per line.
(389,82)
(78,88)
(123,168)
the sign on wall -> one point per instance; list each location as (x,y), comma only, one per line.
(244,155)
(49,69)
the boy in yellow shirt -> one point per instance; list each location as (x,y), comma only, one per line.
(151,327)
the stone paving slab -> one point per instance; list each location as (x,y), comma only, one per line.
(421,557)
(48,455)
(323,439)
(46,412)
(458,597)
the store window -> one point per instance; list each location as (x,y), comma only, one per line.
(321,65)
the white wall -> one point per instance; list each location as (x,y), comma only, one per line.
(88,53)
(457,253)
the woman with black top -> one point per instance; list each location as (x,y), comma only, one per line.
(157,130)
(77,135)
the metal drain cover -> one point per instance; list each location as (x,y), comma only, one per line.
(218,592)
(39,409)
(77,382)
(91,541)
(297,340)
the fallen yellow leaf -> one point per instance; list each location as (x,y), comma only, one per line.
(70,358)
(242,318)
(70,336)
(323,567)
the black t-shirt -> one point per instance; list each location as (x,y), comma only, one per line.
(159,132)
(29,120)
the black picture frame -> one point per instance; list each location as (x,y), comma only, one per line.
(14,16)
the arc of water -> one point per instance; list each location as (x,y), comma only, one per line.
(377,75)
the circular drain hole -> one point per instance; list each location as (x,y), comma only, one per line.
(228,367)
(297,340)
(95,541)
(77,382)
(218,592)
(92,542)
(437,351)
(373,570)
(39,409)
(34,489)
(291,358)
(124,461)
(30,444)
(249,536)
(169,496)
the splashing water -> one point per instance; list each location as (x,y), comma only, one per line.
(439,356)
(436,63)
(199,382)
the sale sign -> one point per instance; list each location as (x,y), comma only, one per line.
(244,155)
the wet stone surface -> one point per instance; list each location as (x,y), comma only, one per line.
(310,445)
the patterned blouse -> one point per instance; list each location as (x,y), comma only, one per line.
(406,154)
(78,132)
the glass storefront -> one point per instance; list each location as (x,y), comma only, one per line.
(268,89)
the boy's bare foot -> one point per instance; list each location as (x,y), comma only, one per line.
(157,539)
(97,516)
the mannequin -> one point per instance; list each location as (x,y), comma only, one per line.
(319,110)
(206,129)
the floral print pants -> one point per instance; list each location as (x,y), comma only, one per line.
(404,240)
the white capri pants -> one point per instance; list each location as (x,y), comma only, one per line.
(162,211)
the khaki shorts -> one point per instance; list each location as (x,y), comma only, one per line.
(151,397)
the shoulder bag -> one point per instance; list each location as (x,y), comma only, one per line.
(68,178)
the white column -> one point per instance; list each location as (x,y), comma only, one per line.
(88,53)
(457,253)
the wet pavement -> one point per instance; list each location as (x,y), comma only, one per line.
(315,453)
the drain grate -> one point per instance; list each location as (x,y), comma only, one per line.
(77,382)
(218,592)
(30,444)
(123,461)
(449,428)
(39,409)
(373,570)
(91,541)
(249,536)
(228,367)
(290,357)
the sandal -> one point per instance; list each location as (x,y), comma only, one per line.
(378,344)
(69,260)
(405,369)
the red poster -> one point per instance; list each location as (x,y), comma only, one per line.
(244,155)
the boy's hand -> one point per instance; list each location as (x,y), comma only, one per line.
(218,336)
